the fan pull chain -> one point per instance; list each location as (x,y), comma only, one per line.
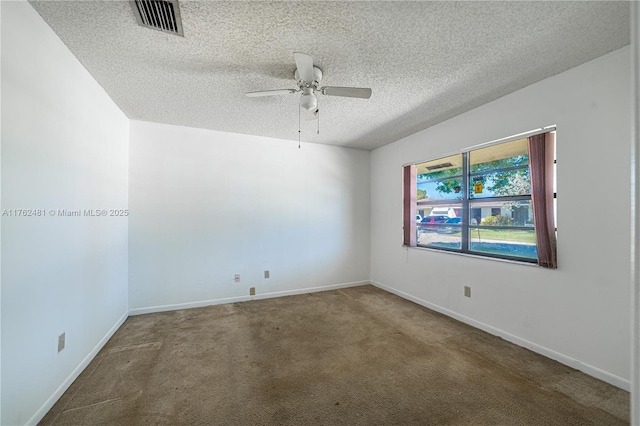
(318,121)
(299,126)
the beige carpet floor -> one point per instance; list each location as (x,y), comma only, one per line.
(356,356)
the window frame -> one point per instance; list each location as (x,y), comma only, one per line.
(467,202)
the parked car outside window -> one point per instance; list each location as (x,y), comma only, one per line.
(450,229)
(430,223)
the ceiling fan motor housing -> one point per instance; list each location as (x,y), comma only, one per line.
(317,78)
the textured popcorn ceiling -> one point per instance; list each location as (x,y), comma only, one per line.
(425,61)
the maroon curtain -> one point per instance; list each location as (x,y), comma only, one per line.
(541,159)
(409,191)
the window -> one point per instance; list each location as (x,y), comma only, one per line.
(480,201)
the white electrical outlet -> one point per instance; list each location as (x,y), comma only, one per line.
(467,291)
(266,274)
(61,342)
(236,278)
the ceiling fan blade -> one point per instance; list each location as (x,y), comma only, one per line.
(349,92)
(270,93)
(304,63)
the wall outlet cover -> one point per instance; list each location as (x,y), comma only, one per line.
(252,291)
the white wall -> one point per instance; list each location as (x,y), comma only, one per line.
(64,146)
(206,205)
(580,313)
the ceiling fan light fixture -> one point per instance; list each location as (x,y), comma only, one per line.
(311,115)
(308,101)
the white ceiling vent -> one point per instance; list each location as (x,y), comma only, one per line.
(163,15)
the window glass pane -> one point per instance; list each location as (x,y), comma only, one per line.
(451,240)
(506,242)
(441,227)
(447,189)
(439,180)
(510,154)
(448,211)
(440,168)
(500,184)
(500,170)
(501,213)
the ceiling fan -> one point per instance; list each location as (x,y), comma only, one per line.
(308,79)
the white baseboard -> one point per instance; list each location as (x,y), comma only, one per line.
(187,305)
(549,353)
(44,409)
(210,302)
